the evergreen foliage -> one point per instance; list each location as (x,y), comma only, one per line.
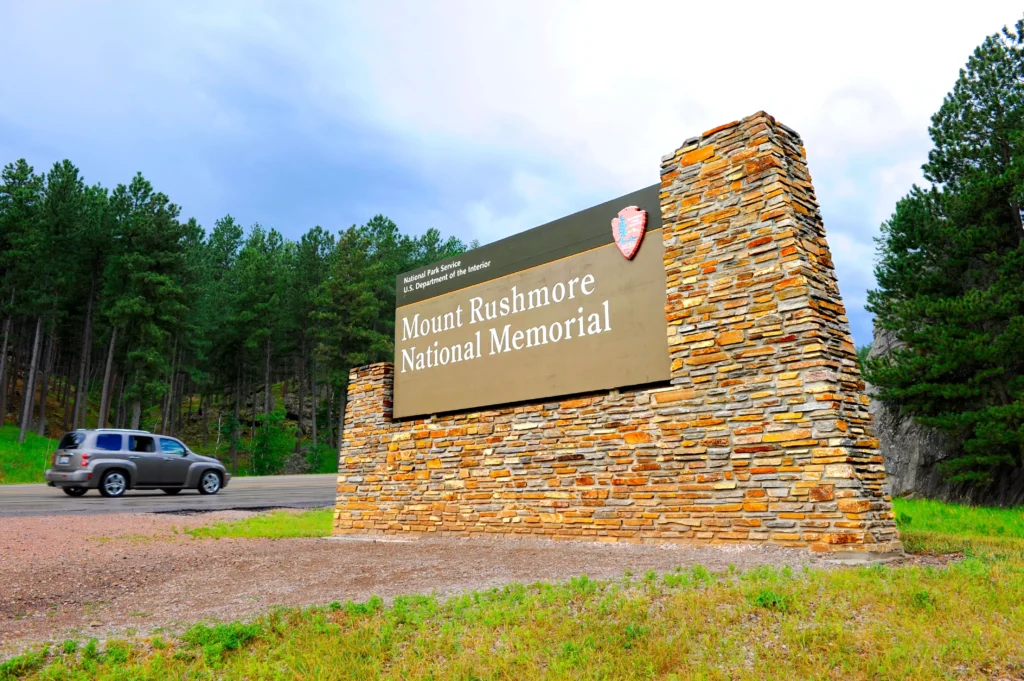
(950,272)
(272,443)
(115,311)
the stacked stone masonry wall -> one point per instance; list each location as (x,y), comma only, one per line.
(762,435)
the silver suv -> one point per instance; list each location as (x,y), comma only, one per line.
(114,461)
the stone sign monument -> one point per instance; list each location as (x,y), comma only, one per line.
(672,365)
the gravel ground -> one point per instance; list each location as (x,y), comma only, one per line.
(114,575)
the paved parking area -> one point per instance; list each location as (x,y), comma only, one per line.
(292,491)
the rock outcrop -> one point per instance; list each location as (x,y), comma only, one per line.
(913,453)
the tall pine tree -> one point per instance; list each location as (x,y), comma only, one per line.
(951,273)
(147,298)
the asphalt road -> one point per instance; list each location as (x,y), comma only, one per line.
(292,491)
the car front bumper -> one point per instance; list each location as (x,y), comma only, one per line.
(68,478)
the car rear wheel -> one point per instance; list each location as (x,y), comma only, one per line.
(171,490)
(113,484)
(74,491)
(209,482)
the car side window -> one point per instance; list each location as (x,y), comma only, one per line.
(108,442)
(141,443)
(170,446)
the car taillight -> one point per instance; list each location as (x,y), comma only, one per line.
(85,459)
(54,462)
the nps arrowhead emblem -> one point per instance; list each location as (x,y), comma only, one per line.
(628,230)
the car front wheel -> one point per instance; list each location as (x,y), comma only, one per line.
(75,491)
(209,482)
(113,484)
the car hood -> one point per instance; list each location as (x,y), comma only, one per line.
(207,459)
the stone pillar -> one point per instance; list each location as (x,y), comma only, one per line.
(760,343)
(365,440)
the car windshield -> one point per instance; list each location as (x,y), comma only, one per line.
(71,440)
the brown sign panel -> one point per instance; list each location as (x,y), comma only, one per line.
(589,321)
(582,231)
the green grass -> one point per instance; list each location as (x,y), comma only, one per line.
(863,623)
(26,462)
(273,525)
(922,519)
(936,517)
(964,620)
(928,526)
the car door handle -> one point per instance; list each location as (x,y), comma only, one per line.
(167,458)
(133,457)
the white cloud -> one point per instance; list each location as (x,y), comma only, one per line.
(889,184)
(533,196)
(575,102)
(601,90)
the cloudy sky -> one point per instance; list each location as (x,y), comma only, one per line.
(479,118)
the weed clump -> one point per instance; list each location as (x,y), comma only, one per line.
(375,604)
(772,600)
(923,600)
(22,665)
(216,640)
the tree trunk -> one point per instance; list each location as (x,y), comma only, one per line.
(205,408)
(165,413)
(179,401)
(29,385)
(93,375)
(173,414)
(66,398)
(81,410)
(59,375)
(119,409)
(183,386)
(234,424)
(60,383)
(250,396)
(301,393)
(312,395)
(1015,206)
(81,388)
(20,367)
(8,396)
(44,383)
(106,394)
(330,414)
(268,394)
(136,413)
(189,390)
(3,363)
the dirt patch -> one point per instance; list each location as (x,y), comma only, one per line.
(929,559)
(115,575)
